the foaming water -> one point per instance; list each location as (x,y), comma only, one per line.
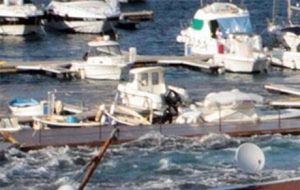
(151,162)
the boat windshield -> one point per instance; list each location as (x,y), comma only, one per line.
(105,51)
(235,25)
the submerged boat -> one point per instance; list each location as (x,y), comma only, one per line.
(82,16)
(20,17)
(233,107)
(148,95)
(27,107)
(104,60)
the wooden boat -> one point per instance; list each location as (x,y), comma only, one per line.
(59,121)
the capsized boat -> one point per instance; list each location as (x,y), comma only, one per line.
(82,16)
(212,22)
(147,94)
(232,106)
(104,60)
(27,107)
(20,17)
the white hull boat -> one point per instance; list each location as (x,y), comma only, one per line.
(210,24)
(238,64)
(103,61)
(19,18)
(91,27)
(240,55)
(287,59)
(146,98)
(26,107)
(103,71)
(19,29)
(82,16)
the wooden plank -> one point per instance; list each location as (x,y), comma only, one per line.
(137,16)
(283,89)
(31,139)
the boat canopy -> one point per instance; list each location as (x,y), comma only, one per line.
(108,50)
(235,25)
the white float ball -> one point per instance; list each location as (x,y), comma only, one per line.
(250,158)
(66,187)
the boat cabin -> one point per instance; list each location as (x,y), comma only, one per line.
(104,48)
(148,80)
(226,18)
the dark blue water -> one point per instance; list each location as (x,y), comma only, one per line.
(154,161)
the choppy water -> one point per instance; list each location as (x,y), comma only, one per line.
(152,162)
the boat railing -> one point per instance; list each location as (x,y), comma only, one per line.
(239,3)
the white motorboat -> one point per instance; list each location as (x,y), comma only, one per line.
(233,106)
(148,94)
(103,61)
(27,107)
(82,16)
(19,17)
(212,24)
(241,57)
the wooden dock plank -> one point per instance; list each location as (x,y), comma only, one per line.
(30,139)
(283,89)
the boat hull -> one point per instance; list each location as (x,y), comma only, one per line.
(102,71)
(19,29)
(35,110)
(91,27)
(286,59)
(238,64)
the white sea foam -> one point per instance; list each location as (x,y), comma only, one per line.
(164,164)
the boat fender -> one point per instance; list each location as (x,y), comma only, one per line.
(59,107)
(172,98)
(82,73)
(100,113)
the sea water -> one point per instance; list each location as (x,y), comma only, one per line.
(153,161)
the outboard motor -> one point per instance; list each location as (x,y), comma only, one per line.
(172,100)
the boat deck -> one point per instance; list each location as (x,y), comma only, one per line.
(27,139)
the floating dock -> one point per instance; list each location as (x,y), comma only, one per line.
(27,139)
(61,68)
(283,89)
(193,62)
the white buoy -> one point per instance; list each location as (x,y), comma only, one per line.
(66,187)
(250,158)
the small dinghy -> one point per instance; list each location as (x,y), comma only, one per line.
(59,121)
(26,107)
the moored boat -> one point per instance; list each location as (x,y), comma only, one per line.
(27,107)
(19,17)
(104,60)
(82,16)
